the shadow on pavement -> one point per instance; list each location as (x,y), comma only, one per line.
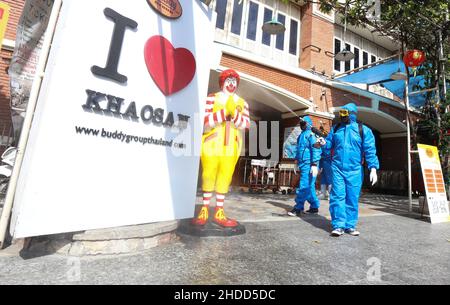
(281,205)
(40,246)
(392,205)
(414,215)
(315,220)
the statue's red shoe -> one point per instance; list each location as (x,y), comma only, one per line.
(202,217)
(222,220)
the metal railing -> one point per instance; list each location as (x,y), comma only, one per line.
(260,174)
(6,135)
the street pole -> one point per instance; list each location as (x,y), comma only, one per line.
(408,131)
(442,67)
(444,92)
(442,62)
(408,139)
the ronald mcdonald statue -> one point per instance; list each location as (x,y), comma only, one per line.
(226,117)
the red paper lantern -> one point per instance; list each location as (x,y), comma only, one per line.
(413,58)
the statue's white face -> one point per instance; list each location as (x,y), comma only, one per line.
(230,85)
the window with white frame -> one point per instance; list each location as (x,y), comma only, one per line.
(373,59)
(279,44)
(240,25)
(252,22)
(337,49)
(361,56)
(221,10)
(293,37)
(267,17)
(236,19)
(365,58)
(356,60)
(348,63)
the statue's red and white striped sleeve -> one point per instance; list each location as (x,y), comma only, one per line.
(242,121)
(212,118)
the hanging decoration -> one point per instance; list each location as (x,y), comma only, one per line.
(413,58)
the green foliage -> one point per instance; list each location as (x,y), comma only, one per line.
(439,136)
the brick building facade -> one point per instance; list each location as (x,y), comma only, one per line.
(285,74)
(301,64)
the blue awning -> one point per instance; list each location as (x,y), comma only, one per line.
(381,74)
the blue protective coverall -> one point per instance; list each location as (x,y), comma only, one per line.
(325,165)
(307,155)
(347,170)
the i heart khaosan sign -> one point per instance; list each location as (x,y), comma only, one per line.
(114,135)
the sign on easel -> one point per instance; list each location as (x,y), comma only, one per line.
(434,183)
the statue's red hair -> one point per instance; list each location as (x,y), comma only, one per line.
(226,74)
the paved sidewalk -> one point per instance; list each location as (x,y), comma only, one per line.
(273,207)
(276,249)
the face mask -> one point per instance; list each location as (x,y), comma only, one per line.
(344,116)
(303,126)
(345,119)
(343,112)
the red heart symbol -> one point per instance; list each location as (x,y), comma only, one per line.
(171,69)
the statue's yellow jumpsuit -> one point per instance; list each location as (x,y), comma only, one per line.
(222,141)
(227,115)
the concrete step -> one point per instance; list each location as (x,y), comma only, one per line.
(120,240)
(128,232)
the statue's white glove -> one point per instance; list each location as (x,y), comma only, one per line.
(373,176)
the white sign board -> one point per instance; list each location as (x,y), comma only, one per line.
(116,132)
(434,183)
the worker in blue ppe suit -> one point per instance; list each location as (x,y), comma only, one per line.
(325,173)
(351,143)
(307,158)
